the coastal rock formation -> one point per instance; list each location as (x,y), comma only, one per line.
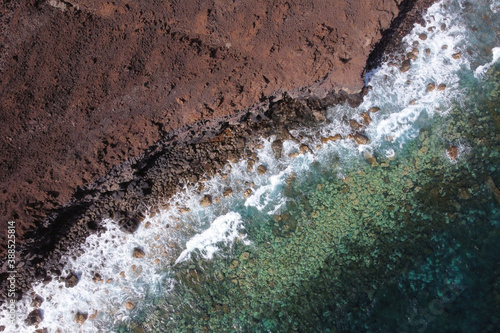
(87,85)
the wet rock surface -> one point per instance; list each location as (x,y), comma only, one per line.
(130,117)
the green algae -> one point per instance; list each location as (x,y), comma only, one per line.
(407,244)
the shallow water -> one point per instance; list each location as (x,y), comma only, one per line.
(390,236)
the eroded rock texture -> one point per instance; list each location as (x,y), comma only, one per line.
(87,84)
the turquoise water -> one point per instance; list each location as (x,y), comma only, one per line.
(399,235)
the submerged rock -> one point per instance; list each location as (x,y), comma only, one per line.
(452,152)
(366,118)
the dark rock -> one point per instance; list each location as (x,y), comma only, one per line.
(361,139)
(71,280)
(138,253)
(35,317)
(405,66)
(261,169)
(37,301)
(206,200)
(354,124)
(332,138)
(277,147)
(80,317)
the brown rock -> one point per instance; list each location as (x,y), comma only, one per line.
(361,139)
(37,301)
(97,278)
(93,315)
(227,191)
(427,51)
(405,66)
(129,305)
(374,109)
(206,201)
(441,87)
(277,147)
(138,253)
(80,317)
(457,55)
(334,138)
(366,118)
(304,149)
(354,124)
(452,152)
(430,87)
(371,159)
(34,317)
(422,36)
(248,192)
(261,169)
(71,280)
(411,56)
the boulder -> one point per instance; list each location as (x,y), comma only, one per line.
(206,200)
(405,66)
(35,317)
(71,280)
(80,317)
(361,139)
(261,169)
(138,253)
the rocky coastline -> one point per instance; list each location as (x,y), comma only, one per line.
(185,153)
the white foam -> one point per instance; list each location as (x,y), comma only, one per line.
(481,70)
(224,229)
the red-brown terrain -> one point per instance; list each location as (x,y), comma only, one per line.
(87,84)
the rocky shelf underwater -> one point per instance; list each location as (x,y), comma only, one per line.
(386,217)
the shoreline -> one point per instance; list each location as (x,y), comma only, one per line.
(183,156)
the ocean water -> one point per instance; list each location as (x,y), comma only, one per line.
(399,235)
